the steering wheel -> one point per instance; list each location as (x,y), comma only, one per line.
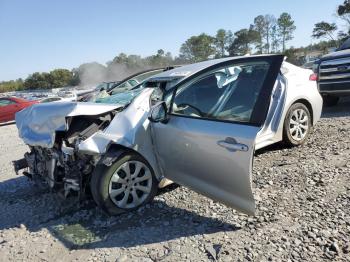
(191,106)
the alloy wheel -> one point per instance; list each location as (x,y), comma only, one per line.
(130,184)
(298,124)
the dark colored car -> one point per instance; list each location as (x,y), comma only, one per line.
(105,86)
(9,106)
(333,74)
(125,85)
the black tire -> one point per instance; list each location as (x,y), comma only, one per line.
(287,135)
(329,101)
(101,178)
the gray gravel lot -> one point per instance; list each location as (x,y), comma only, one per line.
(303,212)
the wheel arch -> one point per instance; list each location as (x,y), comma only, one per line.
(114,151)
(101,176)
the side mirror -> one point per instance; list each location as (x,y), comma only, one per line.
(158,112)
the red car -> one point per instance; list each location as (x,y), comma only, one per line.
(9,106)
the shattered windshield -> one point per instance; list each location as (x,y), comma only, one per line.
(125,98)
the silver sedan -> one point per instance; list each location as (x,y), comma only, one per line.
(197,125)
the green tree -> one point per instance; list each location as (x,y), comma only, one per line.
(291,55)
(275,39)
(270,22)
(324,29)
(198,48)
(131,62)
(342,36)
(38,81)
(56,78)
(160,59)
(286,28)
(124,65)
(12,85)
(122,58)
(223,40)
(60,78)
(343,11)
(259,27)
(160,52)
(264,24)
(243,41)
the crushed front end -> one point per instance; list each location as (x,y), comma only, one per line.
(53,132)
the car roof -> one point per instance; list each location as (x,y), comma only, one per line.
(140,73)
(187,70)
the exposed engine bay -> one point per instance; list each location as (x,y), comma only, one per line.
(63,167)
(70,141)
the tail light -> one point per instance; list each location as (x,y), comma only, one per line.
(313,77)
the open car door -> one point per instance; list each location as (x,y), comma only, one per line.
(207,142)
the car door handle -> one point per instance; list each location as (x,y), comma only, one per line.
(232,145)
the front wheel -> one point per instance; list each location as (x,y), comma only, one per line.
(297,125)
(125,185)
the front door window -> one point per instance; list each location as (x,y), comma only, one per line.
(228,94)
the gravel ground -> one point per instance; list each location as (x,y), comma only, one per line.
(303,212)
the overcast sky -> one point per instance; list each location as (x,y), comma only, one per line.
(39,35)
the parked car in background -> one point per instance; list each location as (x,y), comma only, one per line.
(106,85)
(51,99)
(55,99)
(333,74)
(62,96)
(67,95)
(90,95)
(310,65)
(9,106)
(125,85)
(197,125)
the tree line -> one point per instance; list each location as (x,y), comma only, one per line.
(118,68)
(329,31)
(266,34)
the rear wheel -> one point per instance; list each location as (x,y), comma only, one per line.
(330,100)
(297,125)
(125,185)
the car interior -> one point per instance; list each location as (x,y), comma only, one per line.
(6,102)
(223,95)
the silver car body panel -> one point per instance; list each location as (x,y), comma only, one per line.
(129,128)
(37,125)
(203,160)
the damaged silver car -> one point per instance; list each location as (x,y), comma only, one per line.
(197,125)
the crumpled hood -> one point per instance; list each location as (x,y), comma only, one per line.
(37,125)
